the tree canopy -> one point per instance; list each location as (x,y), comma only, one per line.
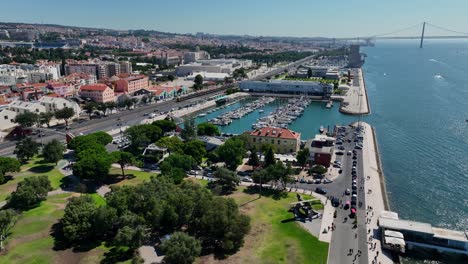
(165,125)
(141,136)
(302,157)
(65,114)
(30,192)
(189,132)
(196,149)
(173,144)
(53,151)
(26,149)
(26,119)
(231,152)
(226,181)
(123,159)
(207,129)
(181,248)
(8,164)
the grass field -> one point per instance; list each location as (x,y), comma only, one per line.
(31,239)
(133,177)
(34,167)
(274,238)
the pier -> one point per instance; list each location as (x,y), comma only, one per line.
(355,102)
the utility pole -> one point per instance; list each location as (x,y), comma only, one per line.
(422,35)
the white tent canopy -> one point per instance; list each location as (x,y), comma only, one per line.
(390,233)
(395,241)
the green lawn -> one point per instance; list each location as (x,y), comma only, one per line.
(31,241)
(133,177)
(274,241)
(99,200)
(34,167)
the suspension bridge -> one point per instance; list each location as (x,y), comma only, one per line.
(425,30)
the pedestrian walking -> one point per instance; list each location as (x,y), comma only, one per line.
(377,253)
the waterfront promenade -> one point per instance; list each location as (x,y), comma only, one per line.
(355,102)
(375,196)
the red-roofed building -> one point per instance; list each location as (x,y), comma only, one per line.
(131,84)
(284,140)
(62,89)
(99,92)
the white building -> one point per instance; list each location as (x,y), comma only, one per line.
(22,107)
(287,87)
(7,118)
(53,104)
(190,57)
(208,76)
(216,66)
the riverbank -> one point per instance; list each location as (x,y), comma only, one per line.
(376,199)
(355,102)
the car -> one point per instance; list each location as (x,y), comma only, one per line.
(326,181)
(337,165)
(310,181)
(320,190)
(347,192)
(354,192)
(349,153)
(247,179)
(341,148)
(354,187)
(339,153)
(302,180)
(354,157)
(340,171)
(349,140)
(145,114)
(209,175)
(335,201)
(339,143)
(317,181)
(358,147)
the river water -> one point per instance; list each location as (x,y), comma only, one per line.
(419,107)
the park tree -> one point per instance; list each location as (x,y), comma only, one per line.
(175,166)
(111,106)
(171,77)
(26,149)
(269,157)
(196,149)
(280,173)
(189,132)
(80,143)
(141,136)
(226,181)
(8,164)
(45,118)
(173,144)
(319,169)
(165,125)
(89,108)
(8,218)
(181,248)
(102,107)
(254,161)
(123,159)
(302,157)
(77,221)
(207,129)
(132,237)
(198,82)
(220,226)
(26,119)
(65,114)
(30,192)
(93,164)
(53,151)
(231,152)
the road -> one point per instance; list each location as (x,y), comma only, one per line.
(127,118)
(280,70)
(345,236)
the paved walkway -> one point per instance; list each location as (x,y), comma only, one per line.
(149,255)
(374,198)
(355,101)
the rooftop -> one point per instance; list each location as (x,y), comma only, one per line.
(396,224)
(94,87)
(274,132)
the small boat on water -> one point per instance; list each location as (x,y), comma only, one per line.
(329,104)
(202,115)
(321,129)
(261,111)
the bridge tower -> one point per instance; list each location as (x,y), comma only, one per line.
(422,35)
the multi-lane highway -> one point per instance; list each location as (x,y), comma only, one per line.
(124,118)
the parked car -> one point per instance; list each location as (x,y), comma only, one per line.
(320,190)
(327,181)
(247,179)
(347,191)
(335,201)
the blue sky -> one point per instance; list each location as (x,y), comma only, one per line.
(328,18)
